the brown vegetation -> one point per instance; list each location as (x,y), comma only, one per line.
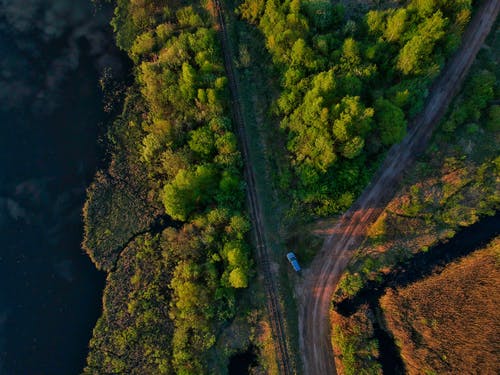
(120,201)
(266,346)
(449,323)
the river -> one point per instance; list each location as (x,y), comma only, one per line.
(51,114)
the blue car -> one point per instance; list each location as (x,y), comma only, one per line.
(293,260)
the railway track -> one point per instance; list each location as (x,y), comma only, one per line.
(270,283)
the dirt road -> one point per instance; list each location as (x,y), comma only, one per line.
(349,232)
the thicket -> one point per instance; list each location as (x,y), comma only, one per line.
(354,343)
(133,334)
(448,323)
(349,85)
(119,201)
(170,294)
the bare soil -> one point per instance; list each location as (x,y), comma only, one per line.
(347,235)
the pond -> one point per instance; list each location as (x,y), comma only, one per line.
(241,363)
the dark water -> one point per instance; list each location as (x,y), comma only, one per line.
(241,363)
(52,54)
(389,355)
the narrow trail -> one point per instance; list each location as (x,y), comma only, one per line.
(350,231)
(270,283)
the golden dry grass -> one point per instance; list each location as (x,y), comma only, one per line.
(449,323)
(267,350)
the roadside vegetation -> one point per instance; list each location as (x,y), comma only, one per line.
(354,342)
(350,81)
(448,323)
(453,185)
(167,220)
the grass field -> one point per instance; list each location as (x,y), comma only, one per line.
(449,322)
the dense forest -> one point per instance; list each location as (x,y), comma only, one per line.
(167,219)
(351,81)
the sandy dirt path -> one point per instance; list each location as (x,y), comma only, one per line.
(326,269)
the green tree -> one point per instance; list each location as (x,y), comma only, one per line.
(410,59)
(143,44)
(352,119)
(351,58)
(376,22)
(351,283)
(187,82)
(391,122)
(301,54)
(252,10)
(230,189)
(425,7)
(238,226)
(202,141)
(238,278)
(396,24)
(353,147)
(416,55)
(188,190)
(173,161)
(187,17)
